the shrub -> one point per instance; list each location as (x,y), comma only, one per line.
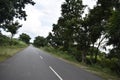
(4,40)
(113,64)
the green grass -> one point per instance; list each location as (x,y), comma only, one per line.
(8,51)
(59,53)
(105,73)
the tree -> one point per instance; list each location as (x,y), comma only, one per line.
(74,30)
(40,41)
(13,28)
(10,9)
(25,38)
(63,30)
(113,30)
(72,11)
(50,39)
(96,22)
(69,29)
(114,33)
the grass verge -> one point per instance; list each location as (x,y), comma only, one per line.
(97,70)
(8,51)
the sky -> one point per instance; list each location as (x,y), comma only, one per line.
(42,16)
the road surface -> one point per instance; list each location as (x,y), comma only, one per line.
(34,64)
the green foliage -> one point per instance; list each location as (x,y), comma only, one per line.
(70,29)
(40,41)
(10,9)
(13,27)
(97,69)
(114,28)
(8,51)
(82,37)
(19,43)
(114,33)
(112,64)
(25,38)
(4,40)
(59,53)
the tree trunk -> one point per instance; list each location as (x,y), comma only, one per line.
(11,41)
(91,54)
(83,57)
(96,54)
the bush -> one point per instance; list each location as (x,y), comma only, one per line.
(113,64)
(16,42)
(4,40)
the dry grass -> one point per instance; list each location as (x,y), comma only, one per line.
(6,52)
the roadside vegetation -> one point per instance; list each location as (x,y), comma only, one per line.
(81,37)
(8,49)
(10,12)
(105,72)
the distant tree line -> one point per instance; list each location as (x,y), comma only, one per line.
(25,38)
(40,41)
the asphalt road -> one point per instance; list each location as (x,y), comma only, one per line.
(34,64)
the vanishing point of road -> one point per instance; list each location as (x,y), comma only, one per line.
(34,64)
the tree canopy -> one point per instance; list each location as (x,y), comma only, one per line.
(40,41)
(12,27)
(87,34)
(10,9)
(25,38)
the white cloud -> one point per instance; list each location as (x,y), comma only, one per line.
(90,3)
(41,17)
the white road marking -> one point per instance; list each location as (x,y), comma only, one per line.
(41,57)
(55,73)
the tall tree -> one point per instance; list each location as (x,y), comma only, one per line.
(25,38)
(69,28)
(12,27)
(72,11)
(96,21)
(10,9)
(113,29)
(114,33)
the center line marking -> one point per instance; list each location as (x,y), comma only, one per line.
(41,57)
(55,73)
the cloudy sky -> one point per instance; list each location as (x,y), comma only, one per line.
(42,15)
